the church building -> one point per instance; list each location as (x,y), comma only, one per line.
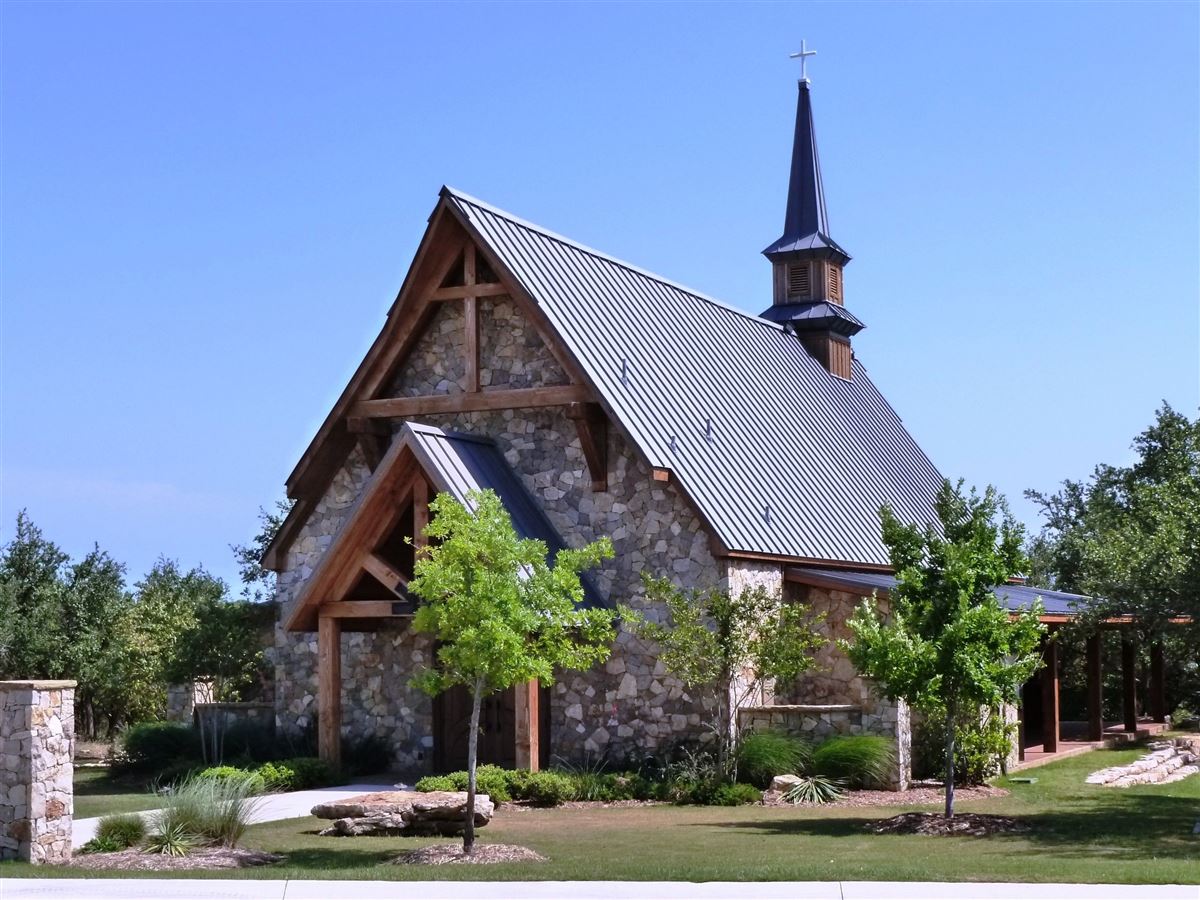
(713,446)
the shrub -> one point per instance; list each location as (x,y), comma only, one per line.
(366,756)
(982,745)
(814,789)
(216,810)
(859,760)
(436,783)
(307,772)
(156,746)
(103,845)
(121,831)
(543,788)
(761,755)
(735,795)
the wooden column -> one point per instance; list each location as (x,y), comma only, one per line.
(528,730)
(420,496)
(1021,727)
(329,693)
(1095,689)
(1050,695)
(1129,680)
(1158,696)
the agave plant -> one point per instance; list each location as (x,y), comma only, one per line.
(815,789)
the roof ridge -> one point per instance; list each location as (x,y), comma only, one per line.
(422,428)
(608,257)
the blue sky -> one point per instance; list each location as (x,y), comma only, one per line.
(207,208)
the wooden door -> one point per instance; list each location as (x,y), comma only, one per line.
(452,722)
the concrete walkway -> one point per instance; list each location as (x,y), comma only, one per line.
(269,807)
(249,889)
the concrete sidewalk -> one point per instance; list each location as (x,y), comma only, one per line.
(248,889)
(269,808)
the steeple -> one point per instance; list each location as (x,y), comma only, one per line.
(807,263)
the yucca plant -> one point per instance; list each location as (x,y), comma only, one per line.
(815,789)
(172,841)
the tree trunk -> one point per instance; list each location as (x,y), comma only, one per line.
(472,752)
(950,761)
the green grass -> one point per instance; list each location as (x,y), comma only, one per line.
(1080,833)
(98,793)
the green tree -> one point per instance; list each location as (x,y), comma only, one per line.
(725,646)
(948,645)
(32,570)
(259,583)
(500,613)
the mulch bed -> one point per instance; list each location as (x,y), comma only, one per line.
(969,824)
(916,796)
(452,854)
(200,858)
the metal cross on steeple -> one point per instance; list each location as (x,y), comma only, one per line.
(803,54)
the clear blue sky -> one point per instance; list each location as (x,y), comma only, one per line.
(207,209)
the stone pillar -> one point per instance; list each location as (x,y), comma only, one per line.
(37,743)
(182,700)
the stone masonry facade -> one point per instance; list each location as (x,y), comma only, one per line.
(630,706)
(37,742)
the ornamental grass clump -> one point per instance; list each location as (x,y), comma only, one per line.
(856,760)
(761,755)
(210,810)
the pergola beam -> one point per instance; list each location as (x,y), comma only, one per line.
(483,401)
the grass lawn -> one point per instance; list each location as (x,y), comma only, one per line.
(1080,833)
(98,793)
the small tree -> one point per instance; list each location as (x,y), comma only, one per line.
(501,614)
(726,646)
(949,644)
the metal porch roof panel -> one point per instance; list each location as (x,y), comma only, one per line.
(1011,596)
(780,456)
(468,463)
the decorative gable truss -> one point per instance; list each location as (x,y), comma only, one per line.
(456,290)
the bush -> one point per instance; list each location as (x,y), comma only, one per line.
(123,831)
(436,783)
(761,755)
(543,788)
(735,795)
(859,760)
(156,746)
(216,810)
(980,748)
(307,772)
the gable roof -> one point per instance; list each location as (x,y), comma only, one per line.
(455,463)
(780,457)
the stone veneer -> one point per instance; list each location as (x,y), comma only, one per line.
(182,699)
(37,742)
(834,682)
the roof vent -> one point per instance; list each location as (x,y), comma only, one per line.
(799,280)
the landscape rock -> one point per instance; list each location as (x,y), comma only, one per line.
(783,783)
(403,813)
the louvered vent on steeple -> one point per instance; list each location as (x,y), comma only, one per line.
(799,281)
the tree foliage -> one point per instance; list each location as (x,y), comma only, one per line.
(948,645)
(724,646)
(501,614)
(1130,535)
(258,583)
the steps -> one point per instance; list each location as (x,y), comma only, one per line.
(1167,762)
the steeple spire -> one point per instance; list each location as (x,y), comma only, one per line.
(806,222)
(807,263)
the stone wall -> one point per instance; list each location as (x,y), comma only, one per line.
(37,742)
(233,715)
(835,682)
(629,705)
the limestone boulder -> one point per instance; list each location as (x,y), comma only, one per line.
(403,813)
(783,783)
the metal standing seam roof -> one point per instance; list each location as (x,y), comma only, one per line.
(1011,596)
(779,456)
(465,463)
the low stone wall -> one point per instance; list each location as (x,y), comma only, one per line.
(229,715)
(37,742)
(182,700)
(816,722)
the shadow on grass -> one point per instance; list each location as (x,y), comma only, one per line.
(339,856)
(1133,827)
